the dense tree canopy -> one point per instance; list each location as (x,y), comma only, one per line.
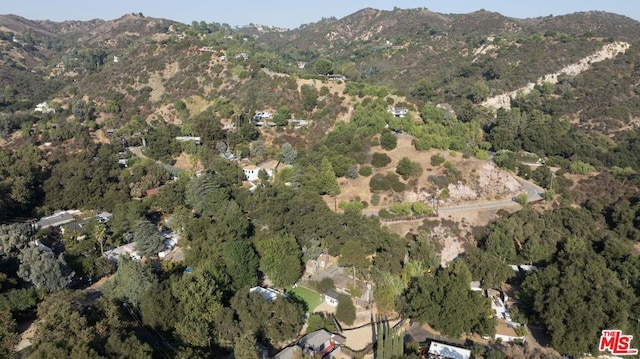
(44,270)
(280,259)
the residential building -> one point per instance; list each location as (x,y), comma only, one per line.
(104,217)
(331,297)
(58,219)
(316,345)
(75,229)
(251,172)
(44,108)
(444,351)
(268,294)
(197,140)
(336,77)
(127,249)
(398,112)
(262,115)
(297,123)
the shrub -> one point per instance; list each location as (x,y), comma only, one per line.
(346,311)
(407,168)
(383,213)
(420,208)
(521,199)
(325,285)
(437,159)
(385,182)
(398,187)
(380,160)
(353,206)
(444,194)
(378,183)
(365,171)
(388,140)
(481,154)
(582,168)
(439,181)
(352,171)
(401,209)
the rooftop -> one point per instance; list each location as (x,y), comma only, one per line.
(316,339)
(268,294)
(58,219)
(332,294)
(448,351)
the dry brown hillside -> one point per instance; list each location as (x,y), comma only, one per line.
(482,180)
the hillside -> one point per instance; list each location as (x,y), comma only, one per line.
(392,156)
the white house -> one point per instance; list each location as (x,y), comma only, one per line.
(439,350)
(197,140)
(251,172)
(44,108)
(331,297)
(398,112)
(262,115)
(336,77)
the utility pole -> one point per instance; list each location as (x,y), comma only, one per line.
(354,277)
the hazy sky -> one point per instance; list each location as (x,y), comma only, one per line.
(290,13)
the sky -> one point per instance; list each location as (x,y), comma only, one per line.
(292,13)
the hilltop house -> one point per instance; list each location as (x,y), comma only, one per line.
(398,112)
(251,172)
(336,77)
(44,108)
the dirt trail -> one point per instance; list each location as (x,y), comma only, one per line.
(608,51)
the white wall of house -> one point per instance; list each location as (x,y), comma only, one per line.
(251,173)
(508,338)
(331,301)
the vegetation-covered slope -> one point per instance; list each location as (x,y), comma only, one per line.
(118,94)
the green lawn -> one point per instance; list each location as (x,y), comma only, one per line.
(311,298)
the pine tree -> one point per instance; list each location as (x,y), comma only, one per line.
(328,183)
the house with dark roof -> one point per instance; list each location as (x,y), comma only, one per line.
(315,345)
(331,297)
(58,219)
